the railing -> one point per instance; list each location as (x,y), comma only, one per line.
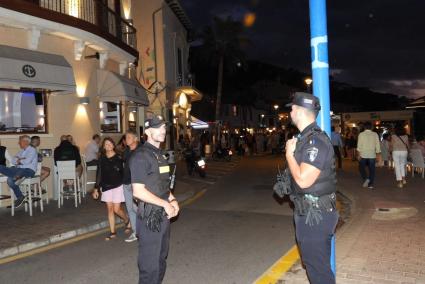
(95,12)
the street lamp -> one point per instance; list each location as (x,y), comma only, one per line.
(276,107)
(308,82)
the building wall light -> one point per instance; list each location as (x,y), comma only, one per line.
(84,100)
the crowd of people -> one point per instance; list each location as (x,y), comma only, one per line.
(113,181)
(390,149)
(244,143)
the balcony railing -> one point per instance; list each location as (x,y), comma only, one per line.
(94,12)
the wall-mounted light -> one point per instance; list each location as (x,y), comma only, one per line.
(84,100)
(81,91)
(183,100)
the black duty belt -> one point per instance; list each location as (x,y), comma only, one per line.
(313,206)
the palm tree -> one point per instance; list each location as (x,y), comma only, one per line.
(222,48)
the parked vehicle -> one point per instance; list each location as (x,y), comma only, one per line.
(194,163)
(222,154)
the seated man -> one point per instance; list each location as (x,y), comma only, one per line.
(24,165)
(45,171)
(68,152)
(92,150)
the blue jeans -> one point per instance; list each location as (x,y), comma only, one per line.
(14,172)
(370,163)
(131,207)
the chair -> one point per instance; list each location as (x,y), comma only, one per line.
(86,169)
(417,161)
(66,171)
(3,179)
(31,188)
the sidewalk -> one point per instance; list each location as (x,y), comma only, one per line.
(22,233)
(383,239)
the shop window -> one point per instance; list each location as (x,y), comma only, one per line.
(110,117)
(22,112)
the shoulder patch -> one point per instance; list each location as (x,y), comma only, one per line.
(312,153)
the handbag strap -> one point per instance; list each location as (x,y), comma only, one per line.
(407,147)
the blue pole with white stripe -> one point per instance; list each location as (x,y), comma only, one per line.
(320,68)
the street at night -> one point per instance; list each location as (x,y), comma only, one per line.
(212,142)
(232,234)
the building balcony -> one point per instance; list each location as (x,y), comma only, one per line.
(89,21)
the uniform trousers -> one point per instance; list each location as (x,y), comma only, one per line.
(153,251)
(314,243)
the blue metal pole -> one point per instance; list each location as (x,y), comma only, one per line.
(320,67)
(319,60)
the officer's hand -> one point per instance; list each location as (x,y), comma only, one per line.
(175,204)
(169,210)
(290,146)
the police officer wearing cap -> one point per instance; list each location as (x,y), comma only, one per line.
(150,178)
(310,159)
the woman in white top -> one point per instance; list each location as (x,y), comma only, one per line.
(399,147)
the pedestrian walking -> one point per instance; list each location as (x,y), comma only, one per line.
(150,178)
(132,143)
(310,159)
(400,148)
(385,149)
(368,151)
(109,180)
(337,145)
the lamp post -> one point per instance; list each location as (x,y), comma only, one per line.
(308,82)
(276,107)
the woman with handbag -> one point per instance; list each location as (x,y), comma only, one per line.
(400,149)
(109,179)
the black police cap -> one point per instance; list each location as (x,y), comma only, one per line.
(305,100)
(154,122)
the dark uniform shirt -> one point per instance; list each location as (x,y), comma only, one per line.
(148,166)
(314,148)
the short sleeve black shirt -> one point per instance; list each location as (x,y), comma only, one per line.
(316,151)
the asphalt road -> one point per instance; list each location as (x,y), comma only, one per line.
(232,234)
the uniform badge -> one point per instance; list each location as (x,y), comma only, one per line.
(312,153)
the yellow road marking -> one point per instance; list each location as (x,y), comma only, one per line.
(82,237)
(280,267)
(193,198)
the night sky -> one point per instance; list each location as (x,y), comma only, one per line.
(375,44)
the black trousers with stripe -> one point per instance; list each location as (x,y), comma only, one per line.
(314,243)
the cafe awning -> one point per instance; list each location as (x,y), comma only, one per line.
(196,123)
(23,68)
(112,87)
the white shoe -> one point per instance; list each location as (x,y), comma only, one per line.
(366,182)
(131,238)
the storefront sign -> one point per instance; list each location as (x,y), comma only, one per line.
(29,71)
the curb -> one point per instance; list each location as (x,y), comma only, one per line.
(11,251)
(22,248)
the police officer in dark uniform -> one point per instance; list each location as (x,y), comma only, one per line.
(310,159)
(150,178)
